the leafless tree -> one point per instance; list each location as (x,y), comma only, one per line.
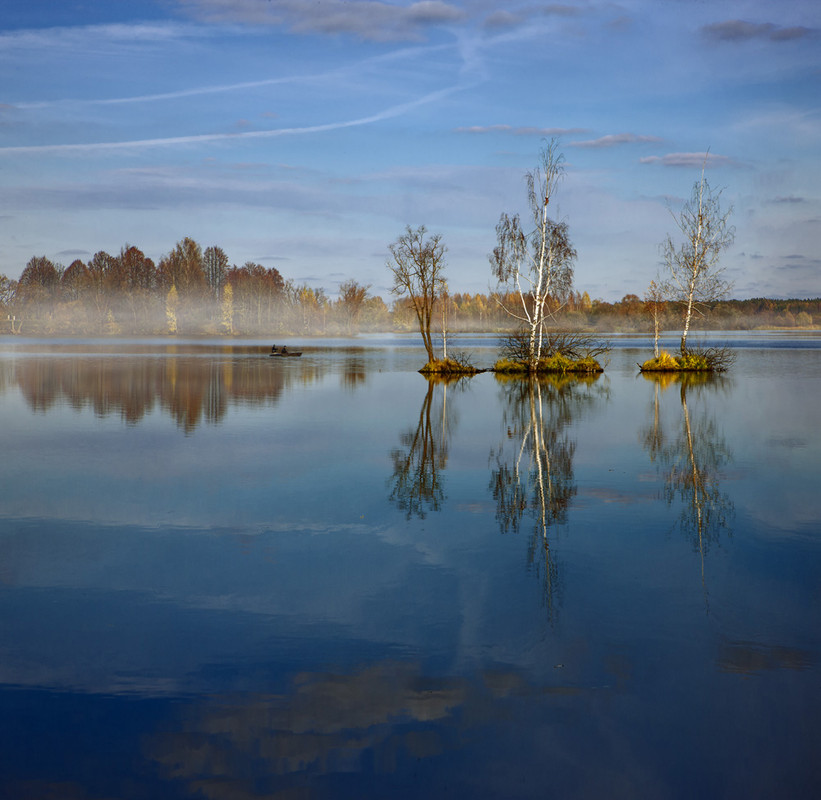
(695,277)
(418,265)
(536,266)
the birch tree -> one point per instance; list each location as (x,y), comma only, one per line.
(695,276)
(535,265)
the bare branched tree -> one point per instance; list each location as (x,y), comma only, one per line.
(536,266)
(695,277)
(418,265)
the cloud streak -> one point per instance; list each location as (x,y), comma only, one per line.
(738,30)
(365,19)
(689,160)
(615,140)
(96,147)
(519,130)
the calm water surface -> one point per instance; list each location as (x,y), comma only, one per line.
(229,576)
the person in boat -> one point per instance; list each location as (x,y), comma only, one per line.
(284,350)
(274,349)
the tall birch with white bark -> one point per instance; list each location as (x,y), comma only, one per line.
(696,278)
(536,266)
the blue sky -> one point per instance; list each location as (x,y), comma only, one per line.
(305,135)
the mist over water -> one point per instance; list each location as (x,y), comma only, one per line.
(229,575)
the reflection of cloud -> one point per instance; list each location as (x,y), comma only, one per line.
(606,495)
(379,719)
(749,657)
(326,724)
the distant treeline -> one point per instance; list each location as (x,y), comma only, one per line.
(196,292)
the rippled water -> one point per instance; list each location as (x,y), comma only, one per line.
(229,576)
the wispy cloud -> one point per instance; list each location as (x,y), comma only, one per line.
(96,147)
(81,38)
(505,18)
(689,160)
(365,19)
(345,71)
(738,30)
(788,200)
(520,130)
(177,95)
(614,140)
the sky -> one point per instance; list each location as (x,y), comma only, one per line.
(307,134)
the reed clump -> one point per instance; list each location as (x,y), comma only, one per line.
(708,359)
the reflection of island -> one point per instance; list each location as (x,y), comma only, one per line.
(535,475)
(192,386)
(418,465)
(692,461)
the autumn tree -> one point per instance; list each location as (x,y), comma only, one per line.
(418,264)
(695,278)
(183,269)
(535,265)
(75,280)
(172,304)
(257,295)
(227,309)
(138,272)
(137,278)
(215,263)
(39,280)
(351,302)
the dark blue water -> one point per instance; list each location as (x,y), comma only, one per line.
(229,576)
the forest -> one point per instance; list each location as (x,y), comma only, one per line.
(196,292)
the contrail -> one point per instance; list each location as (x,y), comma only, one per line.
(230,87)
(393,111)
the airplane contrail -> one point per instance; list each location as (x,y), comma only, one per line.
(388,113)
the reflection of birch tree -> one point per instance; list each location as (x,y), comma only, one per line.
(692,464)
(534,476)
(418,465)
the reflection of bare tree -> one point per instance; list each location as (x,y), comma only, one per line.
(417,479)
(692,464)
(536,474)
(192,387)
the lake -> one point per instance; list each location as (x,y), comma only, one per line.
(224,575)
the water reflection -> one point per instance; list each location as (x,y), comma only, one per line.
(354,373)
(380,722)
(417,482)
(532,470)
(692,459)
(192,390)
(327,723)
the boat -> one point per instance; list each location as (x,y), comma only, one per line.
(281,353)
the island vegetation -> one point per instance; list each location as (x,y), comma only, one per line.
(544,323)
